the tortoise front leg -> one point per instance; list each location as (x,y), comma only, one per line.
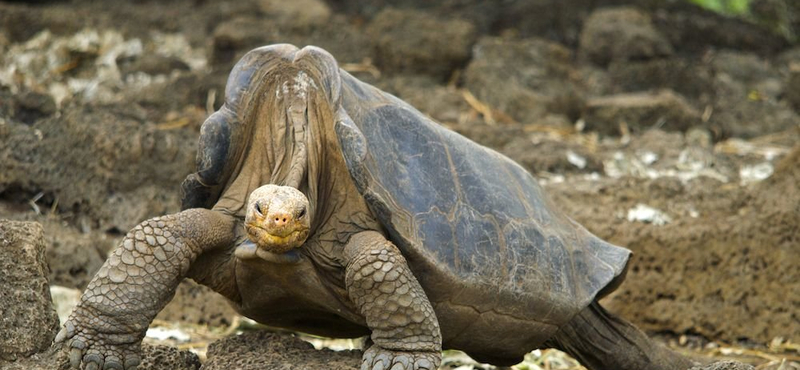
(139,278)
(405,331)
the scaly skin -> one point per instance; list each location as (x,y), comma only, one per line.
(405,331)
(139,278)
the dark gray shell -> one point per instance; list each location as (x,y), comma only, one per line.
(476,227)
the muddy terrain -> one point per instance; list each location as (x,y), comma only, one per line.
(662,127)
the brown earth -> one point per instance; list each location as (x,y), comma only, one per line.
(730,271)
(94,140)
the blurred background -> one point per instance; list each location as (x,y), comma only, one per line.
(671,127)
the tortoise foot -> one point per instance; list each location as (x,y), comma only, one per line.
(377,358)
(91,350)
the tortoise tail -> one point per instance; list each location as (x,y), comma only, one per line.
(601,340)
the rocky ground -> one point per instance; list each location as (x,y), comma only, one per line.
(661,127)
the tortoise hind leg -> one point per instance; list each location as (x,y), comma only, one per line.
(600,340)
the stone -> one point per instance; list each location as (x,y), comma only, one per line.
(297,14)
(793,86)
(686,77)
(724,365)
(417,42)
(28,321)
(267,350)
(525,79)
(621,34)
(153,358)
(748,110)
(74,257)
(32,106)
(168,358)
(152,64)
(640,111)
(233,37)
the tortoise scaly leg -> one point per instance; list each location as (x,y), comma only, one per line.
(405,331)
(139,278)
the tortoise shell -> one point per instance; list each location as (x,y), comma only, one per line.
(475,226)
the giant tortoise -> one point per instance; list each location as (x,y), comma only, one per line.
(324,205)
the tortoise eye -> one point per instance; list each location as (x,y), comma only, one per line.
(302,213)
(258,209)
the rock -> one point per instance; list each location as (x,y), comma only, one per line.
(787,58)
(525,79)
(75,257)
(417,42)
(152,64)
(266,350)
(745,67)
(234,37)
(52,359)
(692,29)
(749,110)
(640,111)
(298,14)
(692,79)
(756,74)
(28,322)
(724,365)
(32,106)
(167,358)
(621,34)
(153,358)
(127,172)
(198,304)
(793,87)
(445,104)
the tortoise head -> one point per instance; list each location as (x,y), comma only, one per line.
(277,219)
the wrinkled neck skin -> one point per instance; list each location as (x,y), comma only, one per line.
(289,118)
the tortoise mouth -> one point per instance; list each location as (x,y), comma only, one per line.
(273,243)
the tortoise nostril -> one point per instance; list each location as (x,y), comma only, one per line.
(281,220)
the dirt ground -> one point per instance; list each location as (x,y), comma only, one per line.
(661,127)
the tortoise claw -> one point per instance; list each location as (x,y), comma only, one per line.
(75,356)
(132,362)
(93,361)
(113,363)
(377,358)
(62,334)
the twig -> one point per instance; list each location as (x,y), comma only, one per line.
(32,202)
(211,98)
(479,106)
(176,123)
(365,66)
